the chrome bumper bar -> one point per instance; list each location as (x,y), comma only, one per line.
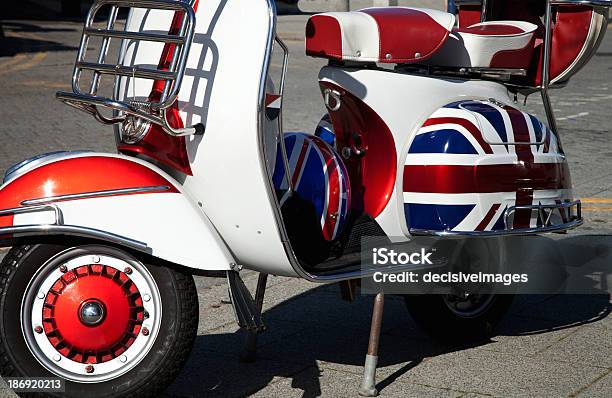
(59,228)
(571,219)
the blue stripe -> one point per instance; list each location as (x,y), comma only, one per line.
(454,105)
(537,127)
(442,141)
(279,170)
(435,217)
(491,114)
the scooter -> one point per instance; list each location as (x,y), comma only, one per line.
(422,137)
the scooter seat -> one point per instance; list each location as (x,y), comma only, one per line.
(390,34)
(494,44)
(418,35)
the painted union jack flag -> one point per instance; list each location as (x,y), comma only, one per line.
(472,160)
(318,175)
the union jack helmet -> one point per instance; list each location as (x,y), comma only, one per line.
(319,177)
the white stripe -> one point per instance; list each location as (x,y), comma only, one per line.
(360,37)
(457,198)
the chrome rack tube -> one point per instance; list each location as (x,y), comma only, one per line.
(281,138)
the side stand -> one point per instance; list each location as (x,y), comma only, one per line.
(250,346)
(368,384)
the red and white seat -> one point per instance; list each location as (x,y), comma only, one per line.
(390,34)
(495,44)
(410,35)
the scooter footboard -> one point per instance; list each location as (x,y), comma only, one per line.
(109,198)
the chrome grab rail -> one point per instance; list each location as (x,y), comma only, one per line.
(570,221)
(151,111)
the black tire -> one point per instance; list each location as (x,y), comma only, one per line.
(466,318)
(435,317)
(149,377)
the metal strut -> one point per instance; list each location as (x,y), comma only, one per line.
(368,384)
(248,313)
(250,346)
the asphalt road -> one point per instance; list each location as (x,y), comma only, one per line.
(553,345)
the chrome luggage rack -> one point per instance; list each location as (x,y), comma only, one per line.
(133,112)
(570,219)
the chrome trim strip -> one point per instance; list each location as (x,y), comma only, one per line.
(525,231)
(59,228)
(73,230)
(94,194)
(59,218)
(281,135)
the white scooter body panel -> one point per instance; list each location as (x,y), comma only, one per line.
(168,222)
(223,88)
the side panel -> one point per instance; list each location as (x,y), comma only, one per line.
(406,102)
(163,218)
(472,160)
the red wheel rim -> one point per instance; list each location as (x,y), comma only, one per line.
(101,288)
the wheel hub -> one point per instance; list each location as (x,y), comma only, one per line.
(90,310)
(92,313)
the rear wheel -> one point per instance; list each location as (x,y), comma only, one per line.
(458,318)
(472,311)
(96,317)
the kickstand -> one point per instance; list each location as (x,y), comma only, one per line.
(368,384)
(250,347)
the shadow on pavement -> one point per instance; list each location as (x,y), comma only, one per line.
(317,327)
(27,38)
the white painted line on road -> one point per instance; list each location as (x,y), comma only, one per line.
(581,114)
(596,200)
(597,208)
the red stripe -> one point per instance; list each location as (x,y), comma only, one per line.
(466,124)
(270,98)
(405,32)
(487,178)
(521,134)
(77,175)
(522,218)
(333,196)
(491,30)
(488,217)
(298,166)
(324,37)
